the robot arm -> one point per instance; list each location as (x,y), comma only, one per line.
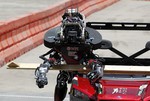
(42,70)
(97,71)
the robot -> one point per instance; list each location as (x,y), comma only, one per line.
(71,43)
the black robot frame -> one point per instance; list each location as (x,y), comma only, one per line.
(124,60)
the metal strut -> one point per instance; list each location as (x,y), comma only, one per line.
(118,26)
(124,60)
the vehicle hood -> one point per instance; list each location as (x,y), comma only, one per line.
(129,90)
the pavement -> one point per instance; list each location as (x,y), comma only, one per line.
(16,85)
(11,9)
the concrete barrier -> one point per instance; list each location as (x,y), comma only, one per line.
(21,35)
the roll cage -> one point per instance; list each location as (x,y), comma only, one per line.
(124,60)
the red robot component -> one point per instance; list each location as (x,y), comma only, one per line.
(111,88)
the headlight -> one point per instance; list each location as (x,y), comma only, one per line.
(80,95)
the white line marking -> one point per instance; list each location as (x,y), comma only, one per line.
(26,96)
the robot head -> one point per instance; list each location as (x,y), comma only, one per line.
(71,12)
(72,32)
(72,29)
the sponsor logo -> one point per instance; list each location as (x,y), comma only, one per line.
(73,48)
(71,53)
(119,91)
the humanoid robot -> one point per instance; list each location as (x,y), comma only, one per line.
(71,43)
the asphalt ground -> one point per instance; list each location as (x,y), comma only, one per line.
(16,85)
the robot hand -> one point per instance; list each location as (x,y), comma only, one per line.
(96,73)
(40,73)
